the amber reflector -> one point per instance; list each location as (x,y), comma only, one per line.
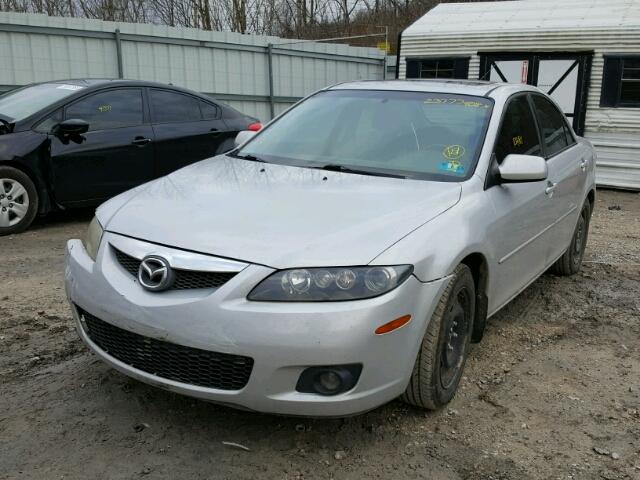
(393,325)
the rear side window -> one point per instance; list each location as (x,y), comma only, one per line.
(173,107)
(552,126)
(107,110)
(209,111)
(518,134)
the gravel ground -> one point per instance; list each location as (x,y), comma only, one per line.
(553,390)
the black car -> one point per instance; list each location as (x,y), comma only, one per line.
(75,143)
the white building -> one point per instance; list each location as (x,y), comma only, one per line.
(584,53)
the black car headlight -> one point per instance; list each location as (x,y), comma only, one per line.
(329,284)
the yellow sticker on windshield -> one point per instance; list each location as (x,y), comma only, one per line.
(104,108)
(453,152)
(518,141)
(456,101)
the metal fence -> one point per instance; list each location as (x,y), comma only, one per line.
(259,75)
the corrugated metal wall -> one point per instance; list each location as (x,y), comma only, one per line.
(614,131)
(230,66)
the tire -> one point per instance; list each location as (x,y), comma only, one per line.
(18,201)
(571,261)
(436,373)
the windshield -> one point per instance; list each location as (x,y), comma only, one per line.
(19,104)
(414,134)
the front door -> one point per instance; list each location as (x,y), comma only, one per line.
(115,155)
(562,76)
(523,211)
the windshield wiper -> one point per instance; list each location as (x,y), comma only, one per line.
(250,157)
(334,167)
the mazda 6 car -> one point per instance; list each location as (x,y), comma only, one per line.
(74,143)
(345,255)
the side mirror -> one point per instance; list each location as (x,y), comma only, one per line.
(522,168)
(243,137)
(71,127)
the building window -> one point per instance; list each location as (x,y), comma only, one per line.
(621,82)
(437,68)
(630,81)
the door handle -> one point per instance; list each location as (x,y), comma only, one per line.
(141,141)
(583,164)
(214,132)
(551,187)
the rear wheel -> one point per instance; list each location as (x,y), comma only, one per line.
(445,346)
(571,261)
(18,201)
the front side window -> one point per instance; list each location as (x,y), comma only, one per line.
(110,109)
(173,107)
(416,134)
(21,103)
(552,126)
(518,134)
(621,82)
(51,121)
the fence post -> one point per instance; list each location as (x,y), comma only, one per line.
(119,52)
(271,89)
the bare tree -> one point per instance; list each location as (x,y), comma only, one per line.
(305,19)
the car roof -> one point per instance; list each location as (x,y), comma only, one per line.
(96,84)
(455,86)
(102,82)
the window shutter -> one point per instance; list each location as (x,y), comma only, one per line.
(461,68)
(413,69)
(611,75)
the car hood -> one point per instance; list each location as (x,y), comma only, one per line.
(276,215)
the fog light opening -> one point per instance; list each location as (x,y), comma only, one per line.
(329,380)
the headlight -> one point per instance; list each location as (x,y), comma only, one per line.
(329,284)
(92,238)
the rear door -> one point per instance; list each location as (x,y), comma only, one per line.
(187,129)
(567,163)
(116,153)
(523,212)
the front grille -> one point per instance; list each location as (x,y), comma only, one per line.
(185,279)
(189,365)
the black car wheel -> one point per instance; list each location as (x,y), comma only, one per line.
(445,346)
(571,261)
(18,201)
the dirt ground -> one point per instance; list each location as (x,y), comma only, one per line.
(553,390)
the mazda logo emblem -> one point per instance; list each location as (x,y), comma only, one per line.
(155,273)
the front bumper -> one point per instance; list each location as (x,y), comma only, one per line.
(282,338)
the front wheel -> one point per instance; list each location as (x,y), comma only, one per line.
(571,261)
(445,345)
(18,201)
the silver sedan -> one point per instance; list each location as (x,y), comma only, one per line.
(346,255)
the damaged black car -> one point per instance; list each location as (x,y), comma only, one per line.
(74,143)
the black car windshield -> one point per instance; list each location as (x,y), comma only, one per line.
(23,102)
(435,136)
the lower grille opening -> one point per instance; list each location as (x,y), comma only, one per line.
(183,364)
